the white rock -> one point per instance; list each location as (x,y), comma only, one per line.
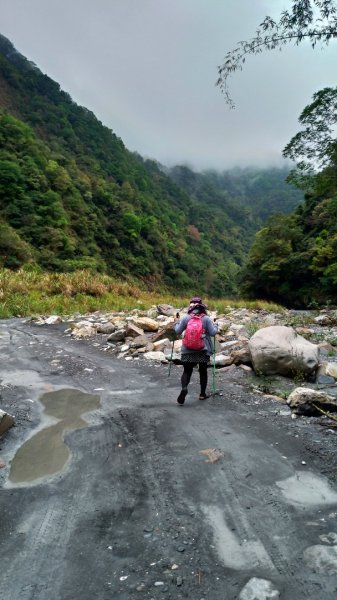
(221,360)
(259,589)
(302,398)
(53,320)
(159,356)
(322,320)
(86,331)
(125,348)
(331,369)
(161,344)
(80,324)
(246,368)
(278,349)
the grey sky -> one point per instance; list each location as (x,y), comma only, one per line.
(147,69)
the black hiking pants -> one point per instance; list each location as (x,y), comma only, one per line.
(188,370)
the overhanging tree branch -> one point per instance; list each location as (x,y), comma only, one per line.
(313,20)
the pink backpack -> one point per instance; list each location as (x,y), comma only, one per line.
(193,338)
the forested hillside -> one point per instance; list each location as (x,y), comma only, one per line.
(263,192)
(72,196)
(294,258)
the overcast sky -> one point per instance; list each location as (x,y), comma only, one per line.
(147,69)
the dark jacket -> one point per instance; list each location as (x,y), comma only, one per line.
(210,330)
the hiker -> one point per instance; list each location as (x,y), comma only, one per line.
(198,349)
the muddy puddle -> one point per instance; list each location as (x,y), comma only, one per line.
(46,453)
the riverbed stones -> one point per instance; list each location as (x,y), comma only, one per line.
(280,350)
(302,400)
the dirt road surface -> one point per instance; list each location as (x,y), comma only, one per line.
(155,500)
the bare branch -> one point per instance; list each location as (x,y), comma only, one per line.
(295,26)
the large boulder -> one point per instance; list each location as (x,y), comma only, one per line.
(280,350)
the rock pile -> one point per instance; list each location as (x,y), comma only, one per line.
(294,344)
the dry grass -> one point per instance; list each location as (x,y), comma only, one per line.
(28,293)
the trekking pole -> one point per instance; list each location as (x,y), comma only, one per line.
(170,365)
(174,339)
(213,387)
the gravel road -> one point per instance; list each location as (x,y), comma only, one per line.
(157,500)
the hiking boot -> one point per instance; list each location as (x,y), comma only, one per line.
(182,396)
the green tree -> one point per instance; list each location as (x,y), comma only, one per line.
(266,273)
(314,148)
(14,251)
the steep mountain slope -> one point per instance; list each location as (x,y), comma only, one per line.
(72,196)
(262,191)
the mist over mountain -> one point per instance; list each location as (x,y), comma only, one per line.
(73,197)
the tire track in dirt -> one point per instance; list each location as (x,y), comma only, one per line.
(255,512)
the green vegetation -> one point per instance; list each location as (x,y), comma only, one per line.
(72,197)
(248,194)
(294,257)
(27,291)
